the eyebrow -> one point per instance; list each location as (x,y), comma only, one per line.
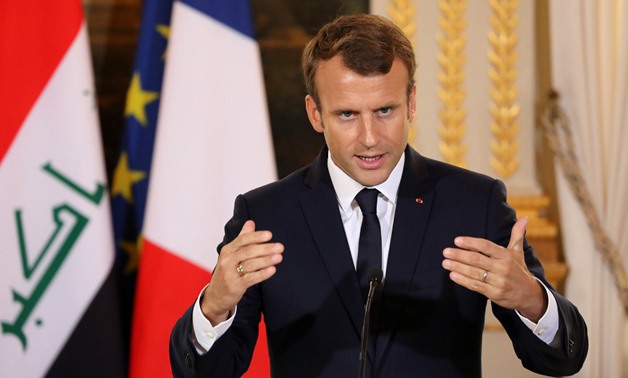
(349,110)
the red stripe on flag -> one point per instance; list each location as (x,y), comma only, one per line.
(260,364)
(34,36)
(178,283)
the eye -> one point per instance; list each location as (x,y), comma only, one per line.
(385,111)
(346,115)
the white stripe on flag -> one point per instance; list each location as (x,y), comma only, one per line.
(213,136)
(61,130)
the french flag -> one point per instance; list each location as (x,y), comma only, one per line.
(213,142)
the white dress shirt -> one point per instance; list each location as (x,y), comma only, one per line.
(346,189)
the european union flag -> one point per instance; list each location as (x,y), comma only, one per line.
(130,180)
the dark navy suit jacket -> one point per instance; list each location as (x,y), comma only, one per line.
(426,325)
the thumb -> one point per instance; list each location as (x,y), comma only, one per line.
(517,234)
(249,226)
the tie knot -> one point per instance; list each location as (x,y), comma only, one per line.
(367,200)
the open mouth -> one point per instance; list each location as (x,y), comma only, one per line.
(369,158)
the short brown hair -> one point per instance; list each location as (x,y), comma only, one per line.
(367,43)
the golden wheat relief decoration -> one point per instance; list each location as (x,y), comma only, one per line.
(503,74)
(451,78)
(402,12)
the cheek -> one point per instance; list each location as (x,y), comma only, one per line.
(330,139)
(399,138)
(398,132)
(338,137)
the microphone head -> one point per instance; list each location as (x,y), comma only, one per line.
(376,274)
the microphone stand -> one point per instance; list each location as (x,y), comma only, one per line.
(374,278)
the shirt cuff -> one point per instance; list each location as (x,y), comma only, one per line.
(205,335)
(547,327)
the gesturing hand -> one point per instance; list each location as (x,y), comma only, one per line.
(498,273)
(248,260)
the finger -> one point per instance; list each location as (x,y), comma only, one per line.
(470,283)
(260,263)
(253,278)
(257,251)
(480,245)
(470,271)
(467,257)
(517,234)
(249,226)
(249,236)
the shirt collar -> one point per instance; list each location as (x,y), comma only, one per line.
(346,188)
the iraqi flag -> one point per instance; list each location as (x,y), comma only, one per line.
(213,142)
(57,298)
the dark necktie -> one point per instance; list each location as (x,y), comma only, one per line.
(370,245)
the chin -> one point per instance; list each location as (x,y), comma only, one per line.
(372,181)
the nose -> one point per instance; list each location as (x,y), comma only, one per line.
(368,132)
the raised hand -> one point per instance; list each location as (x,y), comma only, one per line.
(498,273)
(248,260)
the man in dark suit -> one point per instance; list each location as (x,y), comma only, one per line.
(449,242)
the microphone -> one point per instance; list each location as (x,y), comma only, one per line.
(375,277)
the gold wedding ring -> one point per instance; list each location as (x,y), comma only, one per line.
(240,269)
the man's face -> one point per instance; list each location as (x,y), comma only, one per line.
(365,119)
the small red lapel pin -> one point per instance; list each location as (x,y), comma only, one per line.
(419,200)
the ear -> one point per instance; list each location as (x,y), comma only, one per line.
(412,105)
(313,114)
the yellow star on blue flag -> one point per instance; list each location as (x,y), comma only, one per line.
(130,182)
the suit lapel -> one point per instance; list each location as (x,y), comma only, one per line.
(414,202)
(320,207)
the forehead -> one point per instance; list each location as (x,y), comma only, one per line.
(338,86)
